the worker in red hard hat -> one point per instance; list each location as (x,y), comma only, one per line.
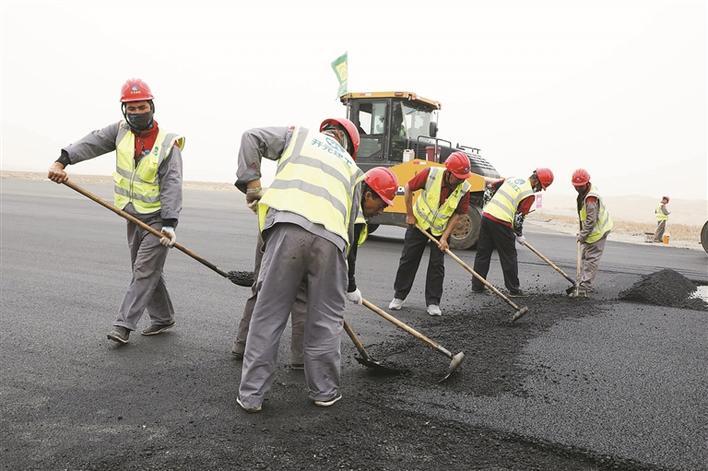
(307,221)
(444,199)
(147,185)
(595,226)
(502,224)
(662,217)
(378,191)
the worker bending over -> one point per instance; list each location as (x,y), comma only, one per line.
(502,223)
(306,218)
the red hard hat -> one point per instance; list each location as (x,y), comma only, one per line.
(135,90)
(349,127)
(545,176)
(458,163)
(384,182)
(581,177)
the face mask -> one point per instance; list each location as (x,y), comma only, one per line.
(139,122)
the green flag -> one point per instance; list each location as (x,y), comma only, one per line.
(339,65)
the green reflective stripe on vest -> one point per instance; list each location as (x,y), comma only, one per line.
(604,222)
(506,200)
(139,185)
(315,178)
(660,216)
(427,210)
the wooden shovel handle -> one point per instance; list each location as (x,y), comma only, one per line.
(407,328)
(548,261)
(141,224)
(471,271)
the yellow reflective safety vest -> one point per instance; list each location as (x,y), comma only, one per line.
(427,210)
(506,200)
(660,216)
(364,230)
(604,222)
(316,179)
(139,184)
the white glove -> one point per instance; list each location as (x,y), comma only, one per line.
(170,238)
(521,239)
(355,297)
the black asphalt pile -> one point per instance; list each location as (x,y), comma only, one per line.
(665,288)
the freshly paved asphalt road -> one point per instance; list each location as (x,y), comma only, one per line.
(621,381)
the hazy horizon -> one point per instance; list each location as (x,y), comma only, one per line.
(617,87)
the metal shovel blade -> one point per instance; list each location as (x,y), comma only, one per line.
(242,278)
(520,313)
(377,367)
(454,364)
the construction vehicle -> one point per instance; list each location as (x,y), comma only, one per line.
(399,130)
(704,237)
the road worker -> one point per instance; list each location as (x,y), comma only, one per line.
(595,226)
(662,216)
(444,199)
(147,185)
(502,224)
(307,219)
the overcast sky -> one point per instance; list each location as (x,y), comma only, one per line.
(617,87)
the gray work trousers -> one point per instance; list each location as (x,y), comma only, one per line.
(147,288)
(297,316)
(660,228)
(590,259)
(293,256)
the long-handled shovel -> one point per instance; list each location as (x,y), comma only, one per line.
(551,264)
(364,358)
(456,360)
(241,278)
(520,311)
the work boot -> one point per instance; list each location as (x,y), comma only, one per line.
(119,334)
(156,329)
(328,402)
(237,350)
(238,356)
(250,410)
(434,310)
(395,304)
(516,293)
(297,366)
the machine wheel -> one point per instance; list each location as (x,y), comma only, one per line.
(704,237)
(467,232)
(372,227)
